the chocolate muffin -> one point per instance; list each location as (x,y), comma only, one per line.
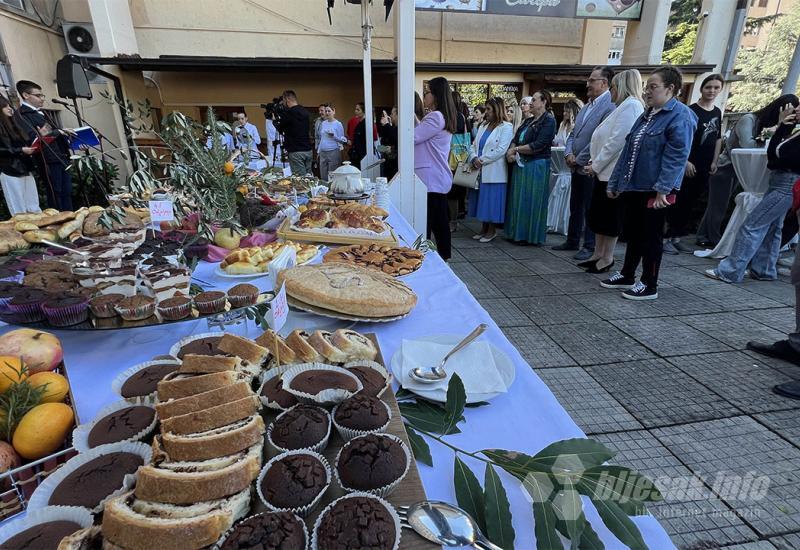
(136,308)
(102,306)
(145,381)
(121,425)
(373,381)
(294,481)
(43,536)
(202,346)
(64,311)
(175,308)
(273,390)
(314,381)
(212,301)
(92,482)
(267,531)
(369,462)
(243,294)
(301,427)
(356,523)
(10,275)
(27,304)
(362,412)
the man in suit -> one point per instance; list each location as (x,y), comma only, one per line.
(577,156)
(52,158)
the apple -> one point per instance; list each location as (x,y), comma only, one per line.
(227,238)
(40,351)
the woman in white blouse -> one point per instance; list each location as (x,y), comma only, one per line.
(605,217)
(571,109)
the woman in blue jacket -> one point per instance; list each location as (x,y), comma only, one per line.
(650,169)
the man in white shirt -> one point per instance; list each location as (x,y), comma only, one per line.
(247,138)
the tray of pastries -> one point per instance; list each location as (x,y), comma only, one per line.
(351,223)
(392,260)
(247,262)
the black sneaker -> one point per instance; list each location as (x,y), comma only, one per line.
(640,291)
(618,281)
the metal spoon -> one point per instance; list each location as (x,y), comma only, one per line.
(437,373)
(445,524)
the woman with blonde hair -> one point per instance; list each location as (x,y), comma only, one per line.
(608,139)
(571,109)
(516,114)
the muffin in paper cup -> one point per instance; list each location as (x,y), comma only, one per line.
(303,511)
(266,376)
(317,448)
(387,376)
(211,301)
(384,503)
(66,315)
(325,397)
(41,496)
(136,312)
(80,435)
(349,433)
(104,309)
(176,347)
(74,514)
(119,381)
(386,490)
(221,542)
(172,309)
(27,312)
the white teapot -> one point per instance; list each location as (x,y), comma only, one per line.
(346,180)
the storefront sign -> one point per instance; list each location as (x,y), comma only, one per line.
(593,9)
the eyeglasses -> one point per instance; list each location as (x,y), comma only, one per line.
(39,95)
(653,87)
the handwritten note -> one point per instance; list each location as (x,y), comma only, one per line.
(278,310)
(161,211)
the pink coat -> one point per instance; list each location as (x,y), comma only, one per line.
(431,150)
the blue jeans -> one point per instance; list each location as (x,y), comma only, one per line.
(759,239)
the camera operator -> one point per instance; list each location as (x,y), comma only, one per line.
(295,126)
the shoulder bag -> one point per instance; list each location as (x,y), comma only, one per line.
(466,176)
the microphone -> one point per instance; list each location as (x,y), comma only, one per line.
(61,102)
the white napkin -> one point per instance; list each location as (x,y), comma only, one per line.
(474,364)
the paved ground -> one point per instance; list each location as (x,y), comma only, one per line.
(666,383)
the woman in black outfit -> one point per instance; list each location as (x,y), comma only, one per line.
(388,134)
(16,165)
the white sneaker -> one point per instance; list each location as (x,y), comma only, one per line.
(477,237)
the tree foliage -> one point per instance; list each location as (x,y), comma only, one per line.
(764,69)
(681,32)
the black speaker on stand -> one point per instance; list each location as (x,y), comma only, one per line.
(72,82)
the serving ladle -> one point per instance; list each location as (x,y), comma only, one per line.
(437,373)
(445,524)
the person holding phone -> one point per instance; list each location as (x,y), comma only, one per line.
(388,133)
(758,241)
(648,171)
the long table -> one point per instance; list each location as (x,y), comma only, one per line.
(525,419)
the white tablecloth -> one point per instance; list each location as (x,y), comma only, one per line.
(560,184)
(750,166)
(526,419)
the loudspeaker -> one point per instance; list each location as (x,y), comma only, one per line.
(71,79)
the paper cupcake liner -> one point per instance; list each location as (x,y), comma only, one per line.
(389,507)
(80,435)
(242,300)
(105,311)
(27,313)
(317,447)
(266,376)
(137,313)
(386,490)
(211,307)
(228,533)
(303,511)
(13,278)
(75,514)
(175,313)
(176,347)
(41,496)
(349,433)
(4,305)
(119,381)
(325,397)
(373,365)
(67,316)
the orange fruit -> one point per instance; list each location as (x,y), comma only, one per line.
(56,386)
(10,371)
(42,430)
(229,167)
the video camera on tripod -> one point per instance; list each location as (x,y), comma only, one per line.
(275,111)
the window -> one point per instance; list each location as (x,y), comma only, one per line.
(614,57)
(618,32)
(763,3)
(16,4)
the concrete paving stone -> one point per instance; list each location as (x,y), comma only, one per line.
(577,283)
(466,242)
(790,370)
(677,275)
(596,343)
(688,259)
(667,336)
(478,285)
(781,319)
(659,394)
(732,328)
(758,545)
(690,517)
(527,285)
(589,405)
(525,252)
(785,423)
(743,448)
(551,264)
(676,301)
(779,291)
(484,254)
(742,380)
(504,312)
(499,270)
(731,297)
(787,542)
(612,306)
(537,348)
(554,310)
(456,256)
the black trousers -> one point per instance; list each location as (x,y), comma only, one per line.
(644,228)
(439,223)
(57,186)
(679,215)
(580,198)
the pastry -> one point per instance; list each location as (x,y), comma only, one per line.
(392,260)
(301,427)
(362,413)
(136,308)
(126,222)
(283,354)
(214,443)
(176,308)
(145,381)
(211,418)
(294,481)
(103,306)
(268,530)
(256,259)
(203,400)
(322,341)
(354,344)
(371,462)
(356,522)
(244,348)
(43,535)
(314,381)
(209,302)
(352,290)
(243,294)
(298,341)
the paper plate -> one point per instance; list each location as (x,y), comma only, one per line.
(219,272)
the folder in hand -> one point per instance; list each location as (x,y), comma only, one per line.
(83,136)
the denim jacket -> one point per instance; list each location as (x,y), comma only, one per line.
(656,161)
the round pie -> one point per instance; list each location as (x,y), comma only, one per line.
(392,260)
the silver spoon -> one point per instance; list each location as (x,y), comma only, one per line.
(445,524)
(437,373)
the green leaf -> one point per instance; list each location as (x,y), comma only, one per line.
(456,399)
(403,393)
(620,524)
(419,446)
(477,404)
(589,539)
(469,493)
(498,513)
(569,510)
(618,484)
(427,417)
(544,527)
(568,457)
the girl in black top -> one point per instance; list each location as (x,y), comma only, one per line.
(16,165)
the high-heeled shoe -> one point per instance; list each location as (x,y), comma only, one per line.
(595,269)
(588,263)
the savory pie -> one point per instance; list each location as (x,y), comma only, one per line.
(348,289)
(392,260)
(256,259)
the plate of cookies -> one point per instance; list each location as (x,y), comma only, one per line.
(392,260)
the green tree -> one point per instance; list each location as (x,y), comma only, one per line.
(764,69)
(681,32)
